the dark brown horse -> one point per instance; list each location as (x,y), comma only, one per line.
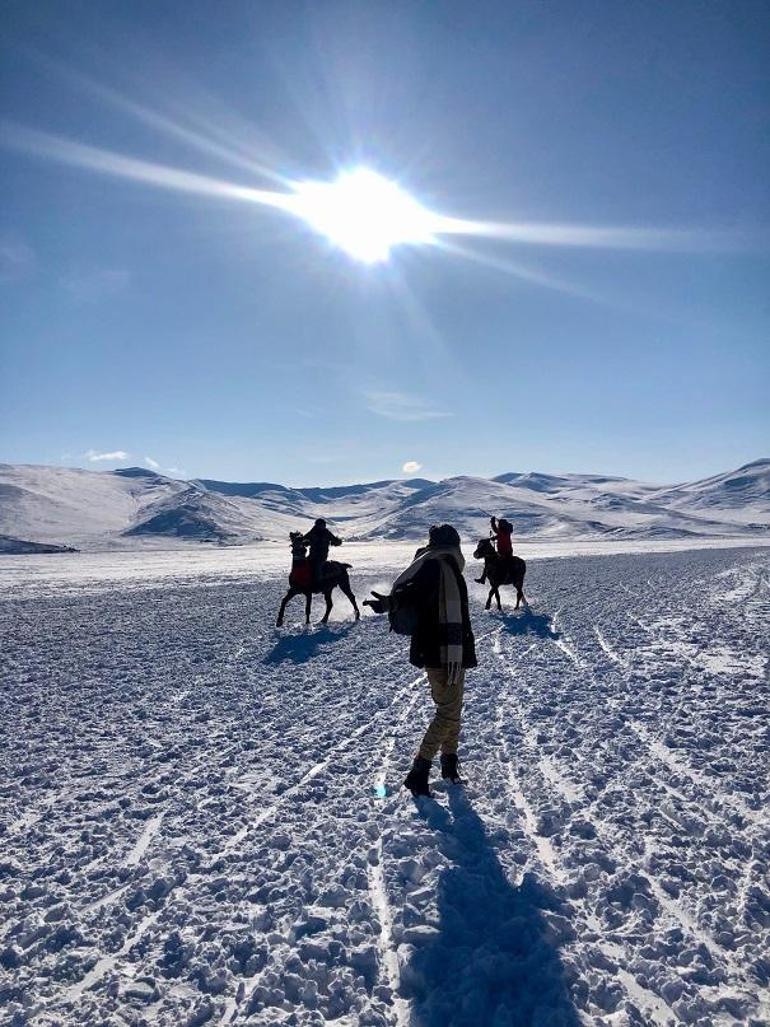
(333,574)
(501,570)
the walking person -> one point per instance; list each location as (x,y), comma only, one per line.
(429,600)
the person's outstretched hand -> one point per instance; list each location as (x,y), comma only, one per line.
(380,603)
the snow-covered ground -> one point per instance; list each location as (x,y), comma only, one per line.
(202,820)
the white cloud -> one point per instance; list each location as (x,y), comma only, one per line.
(411,467)
(402,406)
(95,457)
(152,464)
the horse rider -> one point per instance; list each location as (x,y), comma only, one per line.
(501,533)
(319,538)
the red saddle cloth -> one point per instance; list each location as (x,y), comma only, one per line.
(301,574)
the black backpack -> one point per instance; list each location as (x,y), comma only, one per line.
(402,612)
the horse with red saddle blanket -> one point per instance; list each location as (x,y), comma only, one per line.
(302,580)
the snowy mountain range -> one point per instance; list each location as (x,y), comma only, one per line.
(56,506)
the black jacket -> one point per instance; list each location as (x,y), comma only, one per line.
(425,649)
(319,540)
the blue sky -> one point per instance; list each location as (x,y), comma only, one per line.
(227,339)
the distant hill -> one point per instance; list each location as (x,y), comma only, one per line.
(20,547)
(133,506)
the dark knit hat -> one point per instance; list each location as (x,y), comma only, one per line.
(443,535)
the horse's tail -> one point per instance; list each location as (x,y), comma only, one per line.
(337,567)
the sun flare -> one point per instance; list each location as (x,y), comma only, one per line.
(363,213)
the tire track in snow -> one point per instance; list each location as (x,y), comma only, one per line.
(548,766)
(375,874)
(145,838)
(611,654)
(132,859)
(662,1014)
(661,752)
(564,642)
(674,762)
(153,824)
(378,892)
(550,860)
(313,772)
(388,956)
(106,963)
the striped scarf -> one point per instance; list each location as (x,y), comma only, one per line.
(450,610)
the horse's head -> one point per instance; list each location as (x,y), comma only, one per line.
(483,549)
(298,546)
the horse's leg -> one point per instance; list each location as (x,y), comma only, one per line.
(520,588)
(497,597)
(289,595)
(329,604)
(489,597)
(348,591)
(308,605)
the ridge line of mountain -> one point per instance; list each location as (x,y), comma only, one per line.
(113,508)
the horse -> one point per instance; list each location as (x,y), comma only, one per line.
(501,570)
(333,574)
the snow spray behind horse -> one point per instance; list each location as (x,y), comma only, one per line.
(301,581)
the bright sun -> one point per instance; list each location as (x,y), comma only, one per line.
(364,214)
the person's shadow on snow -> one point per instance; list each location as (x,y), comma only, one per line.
(305,645)
(495,960)
(530,623)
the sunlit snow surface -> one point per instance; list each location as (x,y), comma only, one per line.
(202,819)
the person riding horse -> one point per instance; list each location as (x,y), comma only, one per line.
(319,538)
(501,534)
(304,579)
(508,570)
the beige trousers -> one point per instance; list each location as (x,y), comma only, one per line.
(444,730)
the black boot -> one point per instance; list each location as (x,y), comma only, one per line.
(417,778)
(449,768)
